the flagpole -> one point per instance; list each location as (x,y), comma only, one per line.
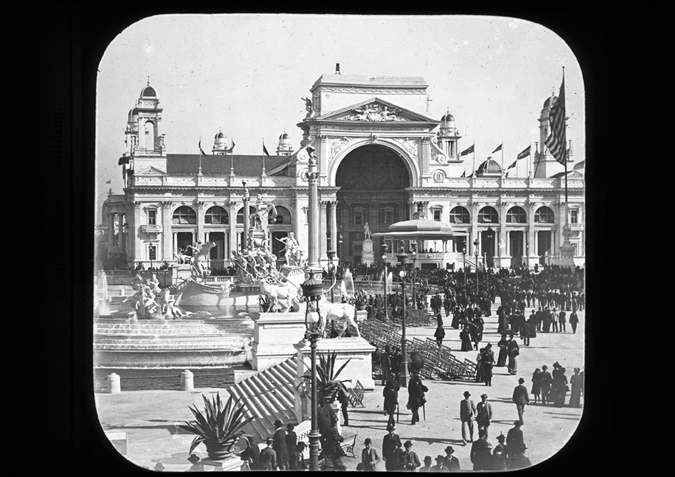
(474,156)
(502,145)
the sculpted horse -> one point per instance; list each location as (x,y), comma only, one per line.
(342,313)
(287,292)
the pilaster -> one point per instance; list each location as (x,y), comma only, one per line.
(167,237)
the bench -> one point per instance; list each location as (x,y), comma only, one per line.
(348,443)
(356,394)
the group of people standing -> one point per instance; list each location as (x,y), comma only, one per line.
(552,387)
(283,451)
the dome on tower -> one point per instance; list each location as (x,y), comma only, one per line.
(447,118)
(283,136)
(148,92)
(489,167)
(550,101)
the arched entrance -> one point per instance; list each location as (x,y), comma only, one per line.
(372,181)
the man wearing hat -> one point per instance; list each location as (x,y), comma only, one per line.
(427,465)
(268,458)
(520,398)
(389,445)
(518,460)
(280,445)
(546,380)
(369,456)
(500,454)
(483,414)
(450,462)
(481,457)
(467,413)
(514,438)
(409,459)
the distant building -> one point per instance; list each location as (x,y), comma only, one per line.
(380,160)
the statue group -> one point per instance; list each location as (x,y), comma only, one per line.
(151,302)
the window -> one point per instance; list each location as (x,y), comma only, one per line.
(459,215)
(488,215)
(574,216)
(516,215)
(184,215)
(152,217)
(283,217)
(387,215)
(543,215)
(152,252)
(359,215)
(240,214)
(216,215)
(437,214)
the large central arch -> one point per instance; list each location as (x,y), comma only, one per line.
(372,180)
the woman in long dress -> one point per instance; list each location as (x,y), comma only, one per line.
(536,385)
(513,352)
(503,351)
(575,384)
(465,336)
(559,387)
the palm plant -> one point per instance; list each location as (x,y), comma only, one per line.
(218,426)
(327,383)
(360,298)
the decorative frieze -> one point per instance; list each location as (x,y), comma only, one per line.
(409,145)
(335,146)
(372,112)
(375,91)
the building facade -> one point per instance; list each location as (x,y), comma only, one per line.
(380,161)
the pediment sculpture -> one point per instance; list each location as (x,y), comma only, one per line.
(373,112)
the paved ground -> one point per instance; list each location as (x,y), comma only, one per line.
(150,417)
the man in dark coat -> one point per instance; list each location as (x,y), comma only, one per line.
(487,362)
(503,451)
(574,321)
(467,413)
(525,333)
(451,462)
(291,443)
(562,320)
(481,455)
(251,454)
(343,398)
(514,438)
(390,443)
(520,398)
(385,363)
(280,448)
(326,420)
(546,380)
(416,399)
(390,394)
(439,334)
(268,457)
(518,460)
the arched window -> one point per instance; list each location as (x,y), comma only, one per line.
(240,214)
(544,215)
(216,215)
(283,216)
(184,215)
(149,135)
(516,215)
(459,215)
(488,215)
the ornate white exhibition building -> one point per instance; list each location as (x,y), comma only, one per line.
(381,161)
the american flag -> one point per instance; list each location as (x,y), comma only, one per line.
(557,139)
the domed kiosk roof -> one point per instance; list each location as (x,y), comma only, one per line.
(489,167)
(447,118)
(422,229)
(148,92)
(550,101)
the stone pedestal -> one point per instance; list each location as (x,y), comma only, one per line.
(367,254)
(274,336)
(566,249)
(359,368)
(532,260)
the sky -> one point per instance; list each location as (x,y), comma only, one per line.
(245,74)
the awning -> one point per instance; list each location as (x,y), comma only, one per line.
(420,229)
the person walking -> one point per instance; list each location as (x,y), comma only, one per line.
(554,319)
(343,398)
(562,319)
(575,383)
(559,386)
(385,363)
(280,447)
(416,390)
(467,413)
(481,455)
(503,351)
(536,385)
(465,336)
(546,379)
(483,415)
(574,321)
(390,393)
(390,443)
(268,457)
(520,398)
(487,363)
(513,350)
(439,334)
(291,443)
(451,462)
(514,438)
(409,459)
(369,456)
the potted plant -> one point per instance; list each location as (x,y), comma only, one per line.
(360,299)
(219,426)
(327,383)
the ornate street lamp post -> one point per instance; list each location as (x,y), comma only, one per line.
(246,198)
(331,273)
(475,244)
(384,264)
(464,254)
(403,260)
(414,256)
(312,289)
